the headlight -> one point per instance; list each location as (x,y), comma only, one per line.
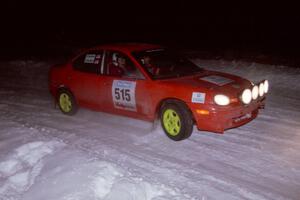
(261,89)
(266,86)
(255,92)
(246,96)
(221,100)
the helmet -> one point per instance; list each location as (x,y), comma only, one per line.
(115,58)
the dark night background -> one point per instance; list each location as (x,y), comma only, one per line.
(239,30)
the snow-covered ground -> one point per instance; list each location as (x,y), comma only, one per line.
(47,155)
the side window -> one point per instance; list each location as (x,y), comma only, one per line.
(89,62)
(118,64)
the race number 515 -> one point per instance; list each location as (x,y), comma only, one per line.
(122,94)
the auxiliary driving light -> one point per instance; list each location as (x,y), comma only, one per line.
(255,92)
(246,96)
(266,86)
(261,89)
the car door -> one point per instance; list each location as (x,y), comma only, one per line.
(125,86)
(85,79)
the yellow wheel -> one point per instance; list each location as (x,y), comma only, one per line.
(176,120)
(66,102)
(171,122)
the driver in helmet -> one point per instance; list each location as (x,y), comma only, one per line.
(146,60)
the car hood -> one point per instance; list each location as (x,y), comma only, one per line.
(216,82)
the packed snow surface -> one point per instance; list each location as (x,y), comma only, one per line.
(47,155)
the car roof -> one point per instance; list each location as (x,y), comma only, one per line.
(129,47)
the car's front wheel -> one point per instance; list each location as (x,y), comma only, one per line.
(66,102)
(176,120)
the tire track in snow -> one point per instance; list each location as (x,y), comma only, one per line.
(139,157)
(84,144)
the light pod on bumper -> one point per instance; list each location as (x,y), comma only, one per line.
(261,89)
(255,92)
(221,99)
(266,86)
(246,96)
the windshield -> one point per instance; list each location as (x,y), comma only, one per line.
(161,63)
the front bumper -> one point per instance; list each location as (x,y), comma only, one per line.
(222,118)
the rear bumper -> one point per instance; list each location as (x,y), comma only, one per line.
(220,119)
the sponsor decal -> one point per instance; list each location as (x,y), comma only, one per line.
(198,97)
(89,58)
(123,93)
(218,80)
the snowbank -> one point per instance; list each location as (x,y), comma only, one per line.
(43,170)
(25,74)
(19,169)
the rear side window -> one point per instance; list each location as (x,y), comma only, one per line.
(89,62)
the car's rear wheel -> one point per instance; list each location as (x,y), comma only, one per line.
(66,102)
(176,120)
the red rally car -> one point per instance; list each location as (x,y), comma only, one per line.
(147,81)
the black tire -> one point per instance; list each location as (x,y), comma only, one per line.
(182,117)
(66,102)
